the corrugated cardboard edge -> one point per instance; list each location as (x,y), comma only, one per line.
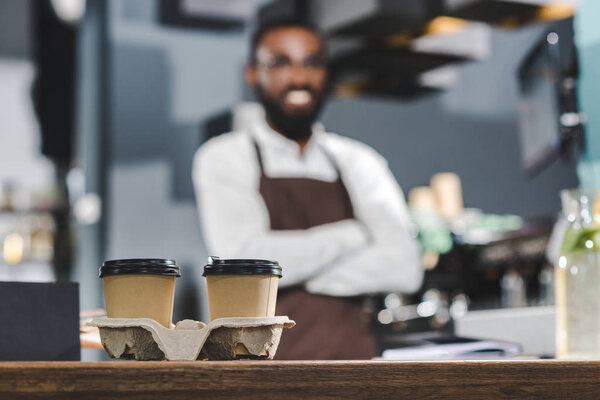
(120,334)
(250,322)
(229,341)
(176,344)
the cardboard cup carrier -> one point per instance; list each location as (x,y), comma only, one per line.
(139,297)
(241,288)
(140,288)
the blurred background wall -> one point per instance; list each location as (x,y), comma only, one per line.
(588,43)
(168,81)
(26,176)
(165,82)
(146,91)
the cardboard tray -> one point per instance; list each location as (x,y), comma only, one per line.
(221,339)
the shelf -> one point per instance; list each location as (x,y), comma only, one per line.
(509,13)
(373,19)
(386,72)
(490,11)
(382,86)
(386,60)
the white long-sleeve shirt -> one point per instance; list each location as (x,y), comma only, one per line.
(338,259)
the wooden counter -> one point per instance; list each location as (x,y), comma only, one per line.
(543,379)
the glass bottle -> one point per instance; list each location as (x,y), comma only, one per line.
(577,278)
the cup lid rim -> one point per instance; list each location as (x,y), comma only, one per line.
(129,261)
(140,266)
(241,266)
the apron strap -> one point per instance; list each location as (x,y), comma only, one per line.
(258,156)
(328,155)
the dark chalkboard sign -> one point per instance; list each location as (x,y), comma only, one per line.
(39,321)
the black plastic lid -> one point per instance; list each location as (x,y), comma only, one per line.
(140,266)
(218,266)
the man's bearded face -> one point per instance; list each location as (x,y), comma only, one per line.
(290,79)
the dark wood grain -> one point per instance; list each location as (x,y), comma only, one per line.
(544,379)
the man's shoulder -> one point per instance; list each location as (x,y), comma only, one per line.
(227,145)
(344,146)
(229,142)
(231,151)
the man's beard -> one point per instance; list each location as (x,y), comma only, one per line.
(293,126)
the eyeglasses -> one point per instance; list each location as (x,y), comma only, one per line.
(281,64)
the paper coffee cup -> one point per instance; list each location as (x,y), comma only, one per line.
(448,193)
(241,288)
(140,288)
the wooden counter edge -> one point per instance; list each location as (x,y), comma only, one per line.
(301,379)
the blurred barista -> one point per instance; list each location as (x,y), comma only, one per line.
(325,206)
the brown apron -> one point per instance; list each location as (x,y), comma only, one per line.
(327,328)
